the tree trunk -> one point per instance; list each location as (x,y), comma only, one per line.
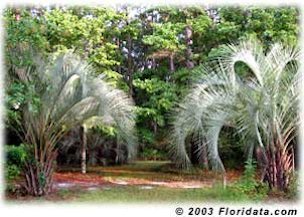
(118,50)
(204,157)
(188,37)
(83,149)
(280,167)
(171,67)
(171,62)
(39,174)
(153,63)
(130,65)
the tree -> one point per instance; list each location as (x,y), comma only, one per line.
(263,108)
(87,31)
(25,34)
(128,34)
(68,95)
(165,40)
(238,23)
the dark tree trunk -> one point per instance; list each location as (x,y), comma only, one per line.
(198,150)
(119,50)
(153,63)
(130,65)
(38,174)
(188,37)
(154,125)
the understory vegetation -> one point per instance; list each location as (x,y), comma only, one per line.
(210,91)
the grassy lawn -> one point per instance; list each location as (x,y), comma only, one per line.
(130,194)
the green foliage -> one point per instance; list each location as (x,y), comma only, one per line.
(146,136)
(152,154)
(240,22)
(106,131)
(200,24)
(14,98)
(293,187)
(85,34)
(231,149)
(156,98)
(14,163)
(18,95)
(23,35)
(162,95)
(11,172)
(250,169)
(116,80)
(165,37)
(248,183)
(16,155)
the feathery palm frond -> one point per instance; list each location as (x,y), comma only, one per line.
(72,95)
(69,95)
(260,108)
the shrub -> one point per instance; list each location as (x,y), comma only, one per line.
(11,172)
(292,190)
(153,154)
(248,184)
(15,159)
(15,155)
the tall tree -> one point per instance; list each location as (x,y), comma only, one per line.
(165,41)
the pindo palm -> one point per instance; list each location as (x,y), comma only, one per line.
(263,108)
(69,96)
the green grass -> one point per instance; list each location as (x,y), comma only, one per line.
(134,194)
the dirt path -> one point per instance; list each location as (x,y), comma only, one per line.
(144,176)
(90,181)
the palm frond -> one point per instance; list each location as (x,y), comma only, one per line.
(71,95)
(260,109)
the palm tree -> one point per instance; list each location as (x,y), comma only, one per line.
(262,108)
(69,96)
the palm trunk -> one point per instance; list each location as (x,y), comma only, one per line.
(84,149)
(39,175)
(280,167)
(203,157)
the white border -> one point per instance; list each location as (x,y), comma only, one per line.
(144,209)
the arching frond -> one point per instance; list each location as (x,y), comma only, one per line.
(259,109)
(70,95)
